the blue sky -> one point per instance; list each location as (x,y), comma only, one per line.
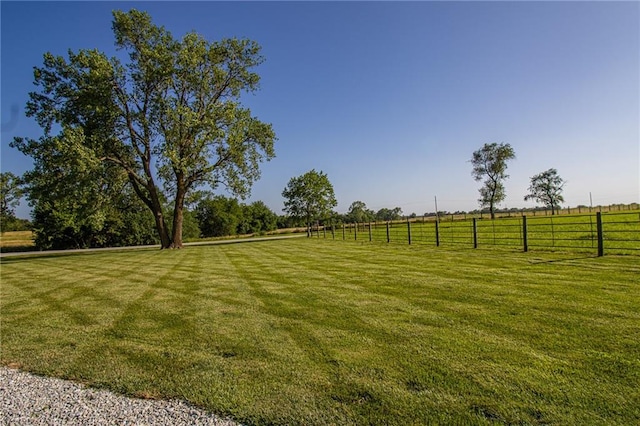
(390,99)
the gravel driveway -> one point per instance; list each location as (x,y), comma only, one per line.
(27,399)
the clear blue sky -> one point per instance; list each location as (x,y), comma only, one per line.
(391,99)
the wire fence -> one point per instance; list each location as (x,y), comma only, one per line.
(613,232)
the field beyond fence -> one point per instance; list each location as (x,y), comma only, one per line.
(598,233)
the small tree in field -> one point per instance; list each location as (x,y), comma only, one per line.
(546,188)
(490,163)
(309,197)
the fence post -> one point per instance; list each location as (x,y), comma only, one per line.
(600,235)
(370,236)
(388,235)
(475,233)
(437,233)
(524,234)
(355,231)
(409,230)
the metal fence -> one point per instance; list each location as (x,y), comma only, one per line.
(600,232)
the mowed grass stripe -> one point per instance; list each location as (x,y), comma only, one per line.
(322,332)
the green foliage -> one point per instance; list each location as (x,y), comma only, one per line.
(257,218)
(315,332)
(78,200)
(173,107)
(124,221)
(546,188)
(490,163)
(359,213)
(385,214)
(309,197)
(221,216)
(10,193)
(218,216)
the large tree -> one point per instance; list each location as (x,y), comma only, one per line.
(169,118)
(490,163)
(309,197)
(546,188)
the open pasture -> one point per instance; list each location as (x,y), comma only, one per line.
(15,240)
(310,331)
(579,233)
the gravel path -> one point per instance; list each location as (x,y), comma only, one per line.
(26,399)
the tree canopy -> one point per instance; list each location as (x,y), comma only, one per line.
(546,188)
(359,213)
(167,121)
(309,196)
(386,214)
(490,163)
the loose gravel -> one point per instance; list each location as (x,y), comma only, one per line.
(26,399)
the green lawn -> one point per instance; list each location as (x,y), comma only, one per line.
(314,331)
(578,233)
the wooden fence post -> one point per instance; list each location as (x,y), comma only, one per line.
(475,233)
(437,233)
(388,235)
(355,232)
(600,234)
(370,236)
(524,234)
(409,230)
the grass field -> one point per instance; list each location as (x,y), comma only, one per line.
(621,232)
(317,332)
(16,240)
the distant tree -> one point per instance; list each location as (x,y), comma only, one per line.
(359,213)
(385,214)
(546,188)
(309,197)
(258,218)
(490,163)
(170,118)
(218,216)
(11,191)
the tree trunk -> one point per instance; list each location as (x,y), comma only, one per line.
(161,226)
(177,227)
(178,217)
